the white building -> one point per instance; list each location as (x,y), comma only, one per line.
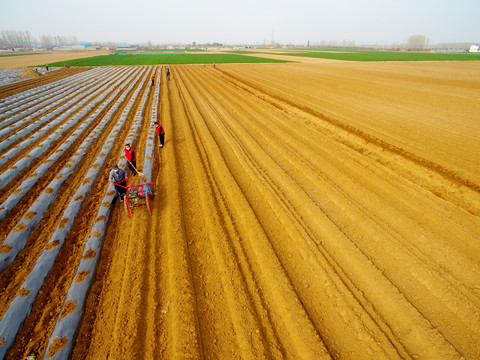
(77,47)
(474,48)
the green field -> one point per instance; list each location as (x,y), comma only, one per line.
(174,50)
(149,59)
(18,54)
(238,57)
(387,56)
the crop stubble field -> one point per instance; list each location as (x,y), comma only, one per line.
(306,211)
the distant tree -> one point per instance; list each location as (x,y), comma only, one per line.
(46,40)
(57,40)
(417,42)
(12,38)
(348,43)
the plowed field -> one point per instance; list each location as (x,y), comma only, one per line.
(302,211)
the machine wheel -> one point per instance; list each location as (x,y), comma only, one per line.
(126,204)
(148,203)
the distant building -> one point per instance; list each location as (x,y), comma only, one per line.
(85,47)
(474,48)
(77,47)
(127,47)
(15,48)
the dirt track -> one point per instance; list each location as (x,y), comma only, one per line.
(303,211)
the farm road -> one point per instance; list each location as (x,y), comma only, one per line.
(307,211)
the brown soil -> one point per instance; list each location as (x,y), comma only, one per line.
(52,244)
(303,211)
(23,292)
(57,346)
(70,306)
(29,73)
(90,254)
(23,61)
(81,276)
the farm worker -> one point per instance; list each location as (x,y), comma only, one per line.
(214,65)
(118,178)
(153,80)
(46,67)
(168,73)
(161,134)
(132,159)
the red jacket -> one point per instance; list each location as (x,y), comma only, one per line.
(130,154)
(159,130)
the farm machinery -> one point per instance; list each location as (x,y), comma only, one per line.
(138,195)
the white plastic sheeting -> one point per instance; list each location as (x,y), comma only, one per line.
(27,184)
(16,121)
(20,102)
(150,143)
(10,76)
(21,305)
(85,106)
(18,237)
(50,86)
(66,326)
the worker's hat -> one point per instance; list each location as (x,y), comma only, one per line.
(115,166)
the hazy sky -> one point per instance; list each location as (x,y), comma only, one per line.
(246,21)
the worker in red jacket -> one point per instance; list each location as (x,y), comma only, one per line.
(161,133)
(132,159)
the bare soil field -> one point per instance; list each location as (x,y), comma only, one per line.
(20,62)
(303,211)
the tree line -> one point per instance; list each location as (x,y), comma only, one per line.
(16,38)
